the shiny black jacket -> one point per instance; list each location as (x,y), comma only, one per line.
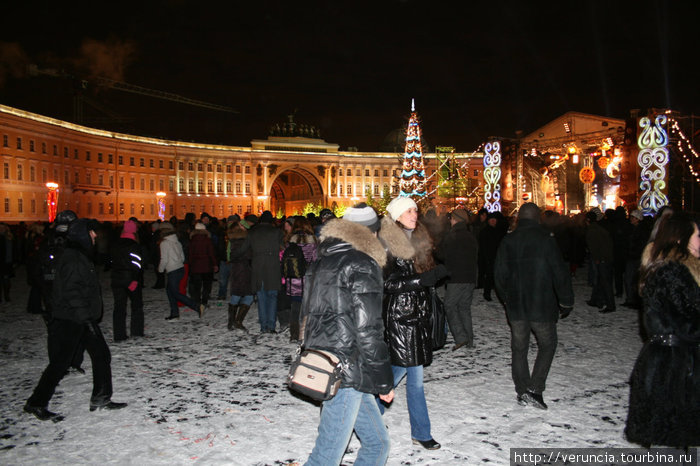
(342,305)
(77,295)
(127,263)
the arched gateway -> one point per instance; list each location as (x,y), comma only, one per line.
(293,187)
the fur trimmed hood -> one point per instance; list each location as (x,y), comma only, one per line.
(358,236)
(419,247)
(691,262)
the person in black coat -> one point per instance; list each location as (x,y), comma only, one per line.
(77,311)
(342,305)
(458,250)
(490,238)
(127,282)
(534,285)
(664,403)
(408,307)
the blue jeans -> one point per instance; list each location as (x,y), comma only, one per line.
(349,410)
(224,273)
(267,309)
(415,399)
(173,292)
(247,300)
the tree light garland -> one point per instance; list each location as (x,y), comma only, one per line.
(412,182)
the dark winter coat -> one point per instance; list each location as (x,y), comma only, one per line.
(459,252)
(309,245)
(664,403)
(600,243)
(240,263)
(77,295)
(530,275)
(407,304)
(342,305)
(202,258)
(127,263)
(489,240)
(264,241)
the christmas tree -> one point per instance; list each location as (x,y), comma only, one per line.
(412,182)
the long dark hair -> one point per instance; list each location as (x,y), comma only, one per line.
(671,242)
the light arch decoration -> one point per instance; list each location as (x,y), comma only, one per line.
(492,176)
(652,159)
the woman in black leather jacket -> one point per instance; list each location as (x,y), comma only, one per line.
(407,307)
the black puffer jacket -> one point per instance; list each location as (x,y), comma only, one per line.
(77,295)
(342,305)
(127,263)
(407,303)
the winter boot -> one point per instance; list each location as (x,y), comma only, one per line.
(240,316)
(232,309)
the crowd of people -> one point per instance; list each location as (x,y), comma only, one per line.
(365,288)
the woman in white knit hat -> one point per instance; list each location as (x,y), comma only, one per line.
(407,309)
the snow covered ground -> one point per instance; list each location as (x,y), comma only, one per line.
(200,394)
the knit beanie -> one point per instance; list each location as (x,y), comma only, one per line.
(129,230)
(400,205)
(364,215)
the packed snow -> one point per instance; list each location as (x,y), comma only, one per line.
(201,394)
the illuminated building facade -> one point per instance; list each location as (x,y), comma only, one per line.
(111,176)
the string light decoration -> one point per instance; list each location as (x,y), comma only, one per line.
(492,176)
(652,159)
(412,180)
(52,199)
(685,148)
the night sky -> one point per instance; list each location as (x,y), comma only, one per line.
(351,68)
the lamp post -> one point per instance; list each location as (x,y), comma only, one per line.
(160,195)
(52,199)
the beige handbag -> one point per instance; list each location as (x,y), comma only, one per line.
(315,373)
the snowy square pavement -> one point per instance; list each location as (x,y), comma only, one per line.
(201,394)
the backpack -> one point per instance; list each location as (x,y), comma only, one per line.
(293,262)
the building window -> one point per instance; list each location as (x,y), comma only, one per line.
(143,184)
(171,185)
(247,188)
(120,160)
(31,145)
(5,142)
(340,190)
(99,159)
(228,186)
(65,152)
(20,173)
(349,172)
(376,190)
(110,159)
(209,167)
(88,178)
(160,164)
(219,186)
(153,210)
(19,143)
(238,187)
(247,169)
(121,208)
(66,177)
(132,162)
(181,165)
(190,166)
(132,184)
(218,169)
(200,186)
(7,205)
(75,154)
(152,185)
(55,150)
(200,167)
(111,181)
(20,206)
(151,163)
(32,174)
(6,170)
(143,209)
(111,208)
(349,193)
(210,186)
(170,165)
(76,177)
(32,206)
(121,182)
(366,172)
(87,155)
(100,180)
(43,148)
(131,209)
(385,172)
(228,168)
(190,185)
(376,172)
(43,175)
(180,185)
(101,208)
(340,172)
(142,162)
(238,168)
(161,185)
(89,208)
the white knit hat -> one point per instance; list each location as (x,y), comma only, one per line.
(400,205)
(200,226)
(364,215)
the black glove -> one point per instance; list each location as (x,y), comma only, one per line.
(564,312)
(432,276)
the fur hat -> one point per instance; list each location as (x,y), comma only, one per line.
(200,226)
(638,214)
(400,205)
(129,230)
(460,215)
(364,215)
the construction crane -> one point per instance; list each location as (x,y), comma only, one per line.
(81,85)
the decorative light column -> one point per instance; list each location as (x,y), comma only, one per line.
(653,158)
(52,199)
(160,195)
(492,176)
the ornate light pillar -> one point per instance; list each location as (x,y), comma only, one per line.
(653,158)
(52,199)
(160,195)
(492,176)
